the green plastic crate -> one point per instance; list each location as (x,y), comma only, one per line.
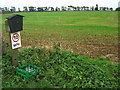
(27,71)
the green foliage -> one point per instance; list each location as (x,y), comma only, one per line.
(61,69)
(56,47)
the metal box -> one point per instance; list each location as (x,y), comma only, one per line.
(15,23)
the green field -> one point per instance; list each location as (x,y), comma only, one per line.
(84,33)
(94,34)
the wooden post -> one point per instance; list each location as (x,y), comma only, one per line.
(14,51)
(6,26)
(15,57)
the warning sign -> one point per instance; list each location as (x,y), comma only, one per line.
(15,40)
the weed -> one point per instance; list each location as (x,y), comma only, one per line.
(61,69)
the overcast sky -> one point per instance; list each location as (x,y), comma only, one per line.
(58,3)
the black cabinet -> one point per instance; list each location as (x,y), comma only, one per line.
(15,23)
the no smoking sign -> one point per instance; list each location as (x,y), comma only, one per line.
(15,40)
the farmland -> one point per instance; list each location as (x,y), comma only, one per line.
(93,34)
(85,55)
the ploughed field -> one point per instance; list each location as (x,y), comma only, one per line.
(93,34)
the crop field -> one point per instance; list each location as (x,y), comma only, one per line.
(72,49)
(93,34)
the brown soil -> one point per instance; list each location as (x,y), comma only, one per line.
(107,51)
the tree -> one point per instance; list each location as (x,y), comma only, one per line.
(111,9)
(96,8)
(48,8)
(104,8)
(40,9)
(13,9)
(75,8)
(2,9)
(63,8)
(52,9)
(117,9)
(78,8)
(92,8)
(81,8)
(107,8)
(19,10)
(87,8)
(31,9)
(25,9)
(56,9)
(5,8)
(45,9)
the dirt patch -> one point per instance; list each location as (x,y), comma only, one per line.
(111,56)
(109,52)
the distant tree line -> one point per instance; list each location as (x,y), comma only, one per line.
(47,9)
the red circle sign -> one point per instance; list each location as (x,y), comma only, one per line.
(15,37)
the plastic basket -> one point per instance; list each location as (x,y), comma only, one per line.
(27,71)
